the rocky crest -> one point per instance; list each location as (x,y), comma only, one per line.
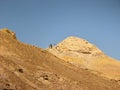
(7,31)
(82,53)
(73,48)
(79,45)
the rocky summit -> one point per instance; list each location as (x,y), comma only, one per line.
(70,65)
(82,53)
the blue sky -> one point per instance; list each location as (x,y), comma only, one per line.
(41,22)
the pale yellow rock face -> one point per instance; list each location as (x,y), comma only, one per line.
(81,53)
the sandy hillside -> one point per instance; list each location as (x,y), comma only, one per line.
(26,67)
(82,53)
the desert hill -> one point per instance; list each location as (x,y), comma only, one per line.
(26,67)
(83,54)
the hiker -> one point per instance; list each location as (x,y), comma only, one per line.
(50,46)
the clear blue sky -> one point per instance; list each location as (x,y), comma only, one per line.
(41,22)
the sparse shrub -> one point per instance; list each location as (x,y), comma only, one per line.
(45,77)
(20,70)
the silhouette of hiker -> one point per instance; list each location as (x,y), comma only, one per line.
(50,46)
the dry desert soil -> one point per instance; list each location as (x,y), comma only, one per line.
(73,64)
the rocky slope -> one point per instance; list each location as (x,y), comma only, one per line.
(83,54)
(26,67)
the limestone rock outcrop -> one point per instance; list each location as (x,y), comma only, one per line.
(11,33)
(82,53)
